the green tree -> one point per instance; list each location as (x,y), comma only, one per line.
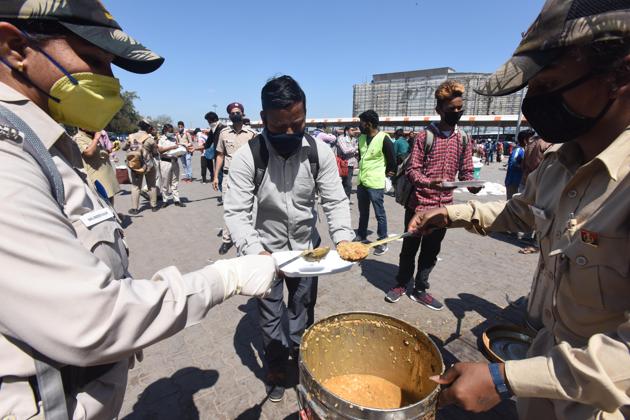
(161,120)
(126,120)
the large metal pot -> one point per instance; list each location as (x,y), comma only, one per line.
(372,344)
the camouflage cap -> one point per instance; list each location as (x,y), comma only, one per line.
(91,21)
(560,25)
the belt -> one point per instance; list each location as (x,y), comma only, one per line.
(74,378)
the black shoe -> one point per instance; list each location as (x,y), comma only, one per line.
(180,204)
(225,247)
(133,212)
(274,384)
(275,393)
(154,209)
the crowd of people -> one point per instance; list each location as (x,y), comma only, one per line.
(73,319)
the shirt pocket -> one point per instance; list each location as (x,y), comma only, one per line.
(230,145)
(598,275)
(304,190)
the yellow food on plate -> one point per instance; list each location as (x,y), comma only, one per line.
(353,251)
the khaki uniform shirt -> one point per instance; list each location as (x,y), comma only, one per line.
(579,363)
(184,139)
(149,147)
(66,289)
(230,141)
(98,167)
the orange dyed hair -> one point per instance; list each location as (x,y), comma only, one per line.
(449,90)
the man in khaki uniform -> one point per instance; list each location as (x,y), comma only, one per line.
(231,139)
(72,318)
(575,60)
(96,162)
(144,137)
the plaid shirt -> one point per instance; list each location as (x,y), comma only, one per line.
(448,157)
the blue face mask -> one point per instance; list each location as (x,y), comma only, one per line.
(285,144)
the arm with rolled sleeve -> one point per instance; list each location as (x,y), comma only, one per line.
(597,375)
(416,163)
(329,139)
(238,204)
(64,302)
(333,198)
(514,215)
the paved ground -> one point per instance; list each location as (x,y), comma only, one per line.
(213,370)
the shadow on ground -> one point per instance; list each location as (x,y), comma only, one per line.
(380,274)
(248,342)
(492,314)
(511,239)
(172,398)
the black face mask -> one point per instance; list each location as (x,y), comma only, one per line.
(236,118)
(551,117)
(285,144)
(452,117)
(364,129)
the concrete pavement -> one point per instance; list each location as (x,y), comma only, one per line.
(213,370)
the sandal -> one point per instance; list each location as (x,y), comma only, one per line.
(529,250)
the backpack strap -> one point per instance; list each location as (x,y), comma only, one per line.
(464,136)
(429,138)
(258,147)
(260,153)
(313,156)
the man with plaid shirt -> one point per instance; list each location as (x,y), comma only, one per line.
(449,154)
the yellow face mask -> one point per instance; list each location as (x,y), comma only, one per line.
(85,100)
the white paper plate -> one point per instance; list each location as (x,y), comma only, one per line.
(331,264)
(458,184)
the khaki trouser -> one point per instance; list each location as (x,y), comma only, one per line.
(227,239)
(169,172)
(136,185)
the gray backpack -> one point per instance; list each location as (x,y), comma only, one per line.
(403,188)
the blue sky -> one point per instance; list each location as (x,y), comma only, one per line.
(219,52)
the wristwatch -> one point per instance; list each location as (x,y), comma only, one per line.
(499,384)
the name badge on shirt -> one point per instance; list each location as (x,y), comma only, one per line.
(540,213)
(96,216)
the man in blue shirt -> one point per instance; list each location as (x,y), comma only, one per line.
(515,164)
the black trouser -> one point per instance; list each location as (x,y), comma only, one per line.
(346,181)
(207,165)
(429,245)
(300,311)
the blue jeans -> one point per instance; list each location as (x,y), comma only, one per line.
(221,179)
(375,196)
(187,165)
